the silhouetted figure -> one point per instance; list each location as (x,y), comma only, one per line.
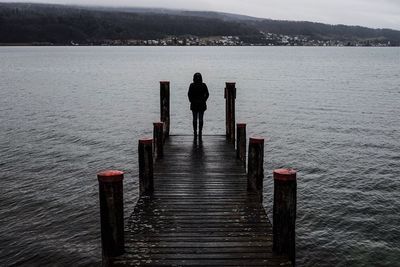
(198,95)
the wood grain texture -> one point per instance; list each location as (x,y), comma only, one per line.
(200,213)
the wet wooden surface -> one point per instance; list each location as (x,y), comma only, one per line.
(200,213)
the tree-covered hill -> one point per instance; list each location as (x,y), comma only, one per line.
(322,31)
(59,24)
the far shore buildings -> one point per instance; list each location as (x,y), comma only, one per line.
(269,39)
(266,39)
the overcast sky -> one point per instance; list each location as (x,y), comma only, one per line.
(371,13)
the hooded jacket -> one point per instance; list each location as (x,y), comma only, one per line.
(198,94)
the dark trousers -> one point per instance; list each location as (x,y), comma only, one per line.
(199,115)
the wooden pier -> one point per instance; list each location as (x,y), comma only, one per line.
(198,206)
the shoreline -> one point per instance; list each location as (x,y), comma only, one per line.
(245,45)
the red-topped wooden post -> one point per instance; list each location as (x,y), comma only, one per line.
(164,106)
(158,139)
(146,184)
(111,213)
(241,142)
(255,166)
(284,213)
(230,96)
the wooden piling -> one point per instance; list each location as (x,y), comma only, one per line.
(111,213)
(255,165)
(284,213)
(164,106)
(146,184)
(158,140)
(230,96)
(241,142)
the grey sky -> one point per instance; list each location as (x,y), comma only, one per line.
(371,13)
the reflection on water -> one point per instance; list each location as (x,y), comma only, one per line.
(68,112)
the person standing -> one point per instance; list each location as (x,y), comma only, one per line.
(198,95)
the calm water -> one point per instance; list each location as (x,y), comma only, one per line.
(331,113)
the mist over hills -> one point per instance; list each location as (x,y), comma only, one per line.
(64,25)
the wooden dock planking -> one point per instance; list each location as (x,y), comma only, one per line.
(200,213)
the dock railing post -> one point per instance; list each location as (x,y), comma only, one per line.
(230,96)
(146,184)
(111,213)
(241,142)
(158,139)
(284,213)
(164,106)
(255,166)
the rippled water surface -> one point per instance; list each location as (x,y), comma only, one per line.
(331,113)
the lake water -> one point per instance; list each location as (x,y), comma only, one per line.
(331,113)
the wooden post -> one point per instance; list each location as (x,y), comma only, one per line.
(255,165)
(158,138)
(284,213)
(111,213)
(164,106)
(241,142)
(146,184)
(230,96)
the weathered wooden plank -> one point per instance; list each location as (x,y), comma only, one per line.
(213,234)
(223,255)
(203,262)
(172,229)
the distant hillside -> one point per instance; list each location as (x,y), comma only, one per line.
(25,23)
(58,24)
(322,31)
